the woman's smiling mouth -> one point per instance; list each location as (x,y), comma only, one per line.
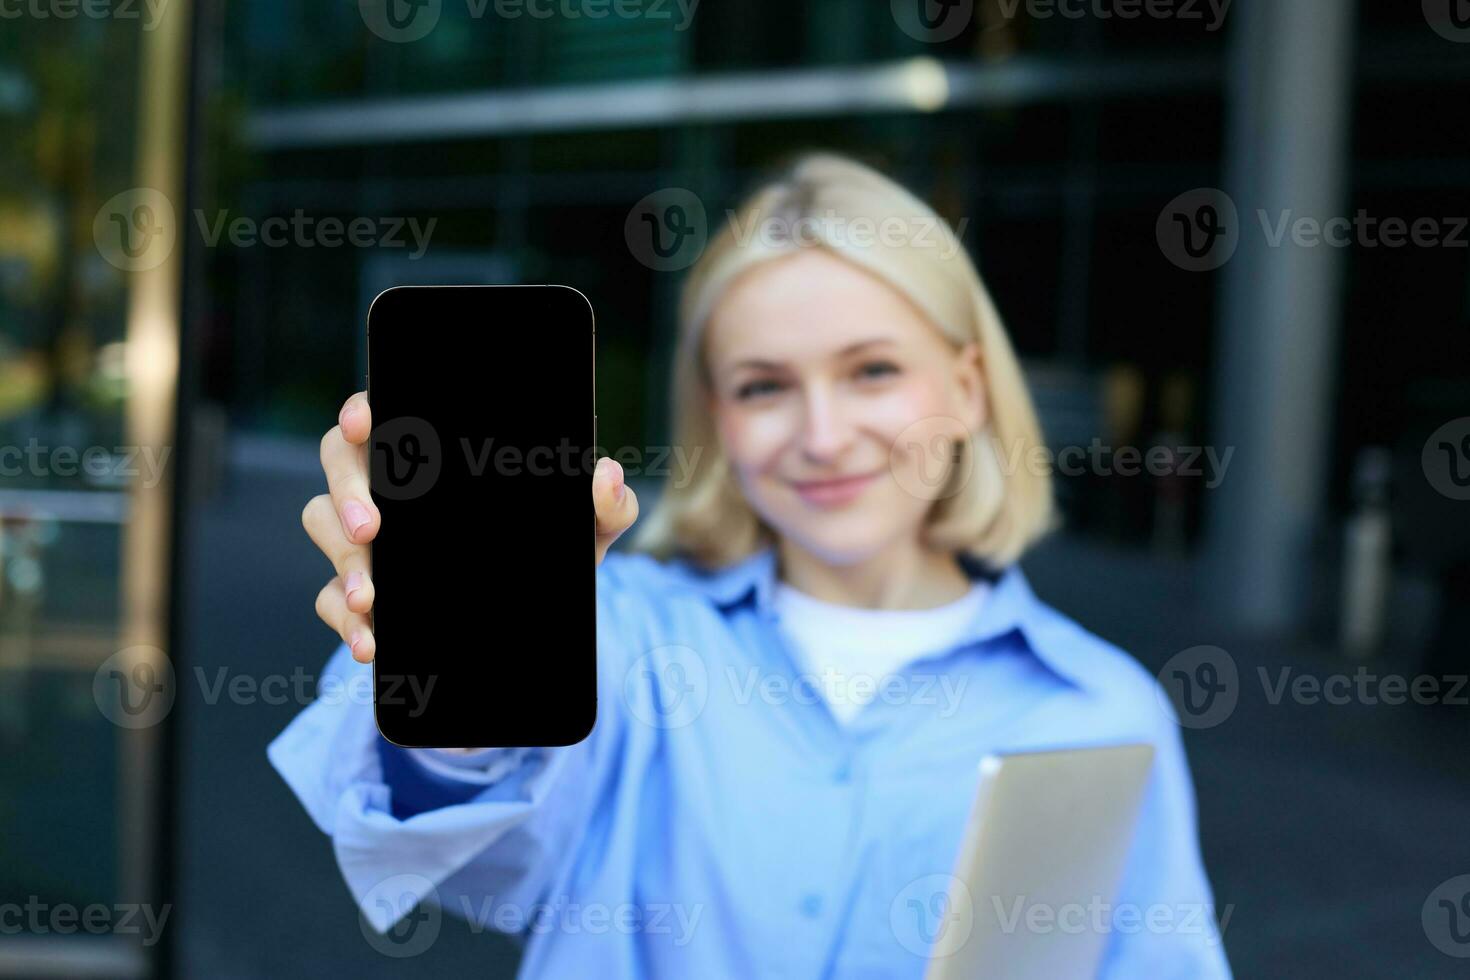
(835,492)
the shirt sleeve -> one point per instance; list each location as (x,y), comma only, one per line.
(1165,924)
(465,841)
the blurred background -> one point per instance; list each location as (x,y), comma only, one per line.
(1229,241)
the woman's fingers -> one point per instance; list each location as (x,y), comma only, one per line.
(615,503)
(352,562)
(331,606)
(356,419)
(345,464)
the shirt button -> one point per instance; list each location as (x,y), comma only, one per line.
(811,905)
(842,772)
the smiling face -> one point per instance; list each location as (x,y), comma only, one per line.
(821,374)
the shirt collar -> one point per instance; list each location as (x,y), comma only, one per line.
(1010,607)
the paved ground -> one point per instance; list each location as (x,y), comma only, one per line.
(1326,827)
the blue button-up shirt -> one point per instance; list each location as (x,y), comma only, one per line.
(719,822)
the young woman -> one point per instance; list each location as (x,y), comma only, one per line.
(822,632)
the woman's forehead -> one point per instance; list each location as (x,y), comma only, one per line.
(806,305)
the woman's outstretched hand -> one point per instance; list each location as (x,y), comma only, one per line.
(343,522)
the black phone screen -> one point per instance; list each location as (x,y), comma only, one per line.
(481,459)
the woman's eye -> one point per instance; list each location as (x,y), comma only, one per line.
(754,389)
(877,369)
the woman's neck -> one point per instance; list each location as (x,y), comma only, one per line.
(910,577)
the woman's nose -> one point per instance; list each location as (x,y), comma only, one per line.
(827,431)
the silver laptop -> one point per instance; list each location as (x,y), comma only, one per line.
(1045,848)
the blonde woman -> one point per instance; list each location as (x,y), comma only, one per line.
(821,632)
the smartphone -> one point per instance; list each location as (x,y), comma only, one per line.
(481,459)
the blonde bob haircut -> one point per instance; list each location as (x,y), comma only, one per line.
(823,200)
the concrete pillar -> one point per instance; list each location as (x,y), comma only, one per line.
(1288,97)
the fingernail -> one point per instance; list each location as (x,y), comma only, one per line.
(354,582)
(347,412)
(355,642)
(355,515)
(620,491)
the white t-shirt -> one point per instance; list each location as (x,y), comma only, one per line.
(848,651)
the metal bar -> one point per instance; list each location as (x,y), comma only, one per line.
(67,506)
(152,364)
(916,85)
(111,958)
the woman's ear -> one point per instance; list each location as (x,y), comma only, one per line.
(970,383)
